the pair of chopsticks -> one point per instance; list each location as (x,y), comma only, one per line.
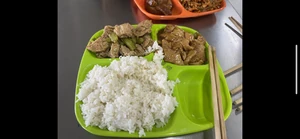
(238,103)
(231,71)
(236,90)
(219,123)
(237,25)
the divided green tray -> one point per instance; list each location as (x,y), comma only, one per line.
(195,110)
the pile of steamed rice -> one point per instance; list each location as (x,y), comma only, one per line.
(131,94)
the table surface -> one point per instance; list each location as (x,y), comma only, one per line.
(78,20)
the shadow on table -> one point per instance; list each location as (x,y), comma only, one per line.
(196,23)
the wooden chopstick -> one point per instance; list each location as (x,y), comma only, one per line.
(219,97)
(237,33)
(236,23)
(236,90)
(219,123)
(214,96)
(233,69)
(239,24)
(238,101)
(240,108)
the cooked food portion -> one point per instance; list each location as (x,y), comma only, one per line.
(123,40)
(143,28)
(124,31)
(159,7)
(201,5)
(132,94)
(180,47)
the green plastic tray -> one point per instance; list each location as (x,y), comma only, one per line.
(195,110)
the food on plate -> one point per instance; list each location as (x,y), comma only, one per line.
(181,47)
(122,40)
(201,5)
(159,7)
(131,94)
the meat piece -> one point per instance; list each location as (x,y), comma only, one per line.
(169,28)
(200,48)
(169,36)
(166,44)
(124,30)
(166,7)
(107,30)
(181,43)
(164,32)
(188,36)
(176,34)
(201,39)
(114,50)
(171,55)
(102,54)
(139,50)
(185,44)
(176,45)
(190,55)
(99,45)
(159,7)
(143,28)
(126,52)
(147,41)
(183,54)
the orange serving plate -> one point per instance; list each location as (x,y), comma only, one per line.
(178,11)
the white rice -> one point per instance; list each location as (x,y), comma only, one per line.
(131,94)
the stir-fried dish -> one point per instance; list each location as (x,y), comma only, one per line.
(181,47)
(201,5)
(123,40)
(159,7)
